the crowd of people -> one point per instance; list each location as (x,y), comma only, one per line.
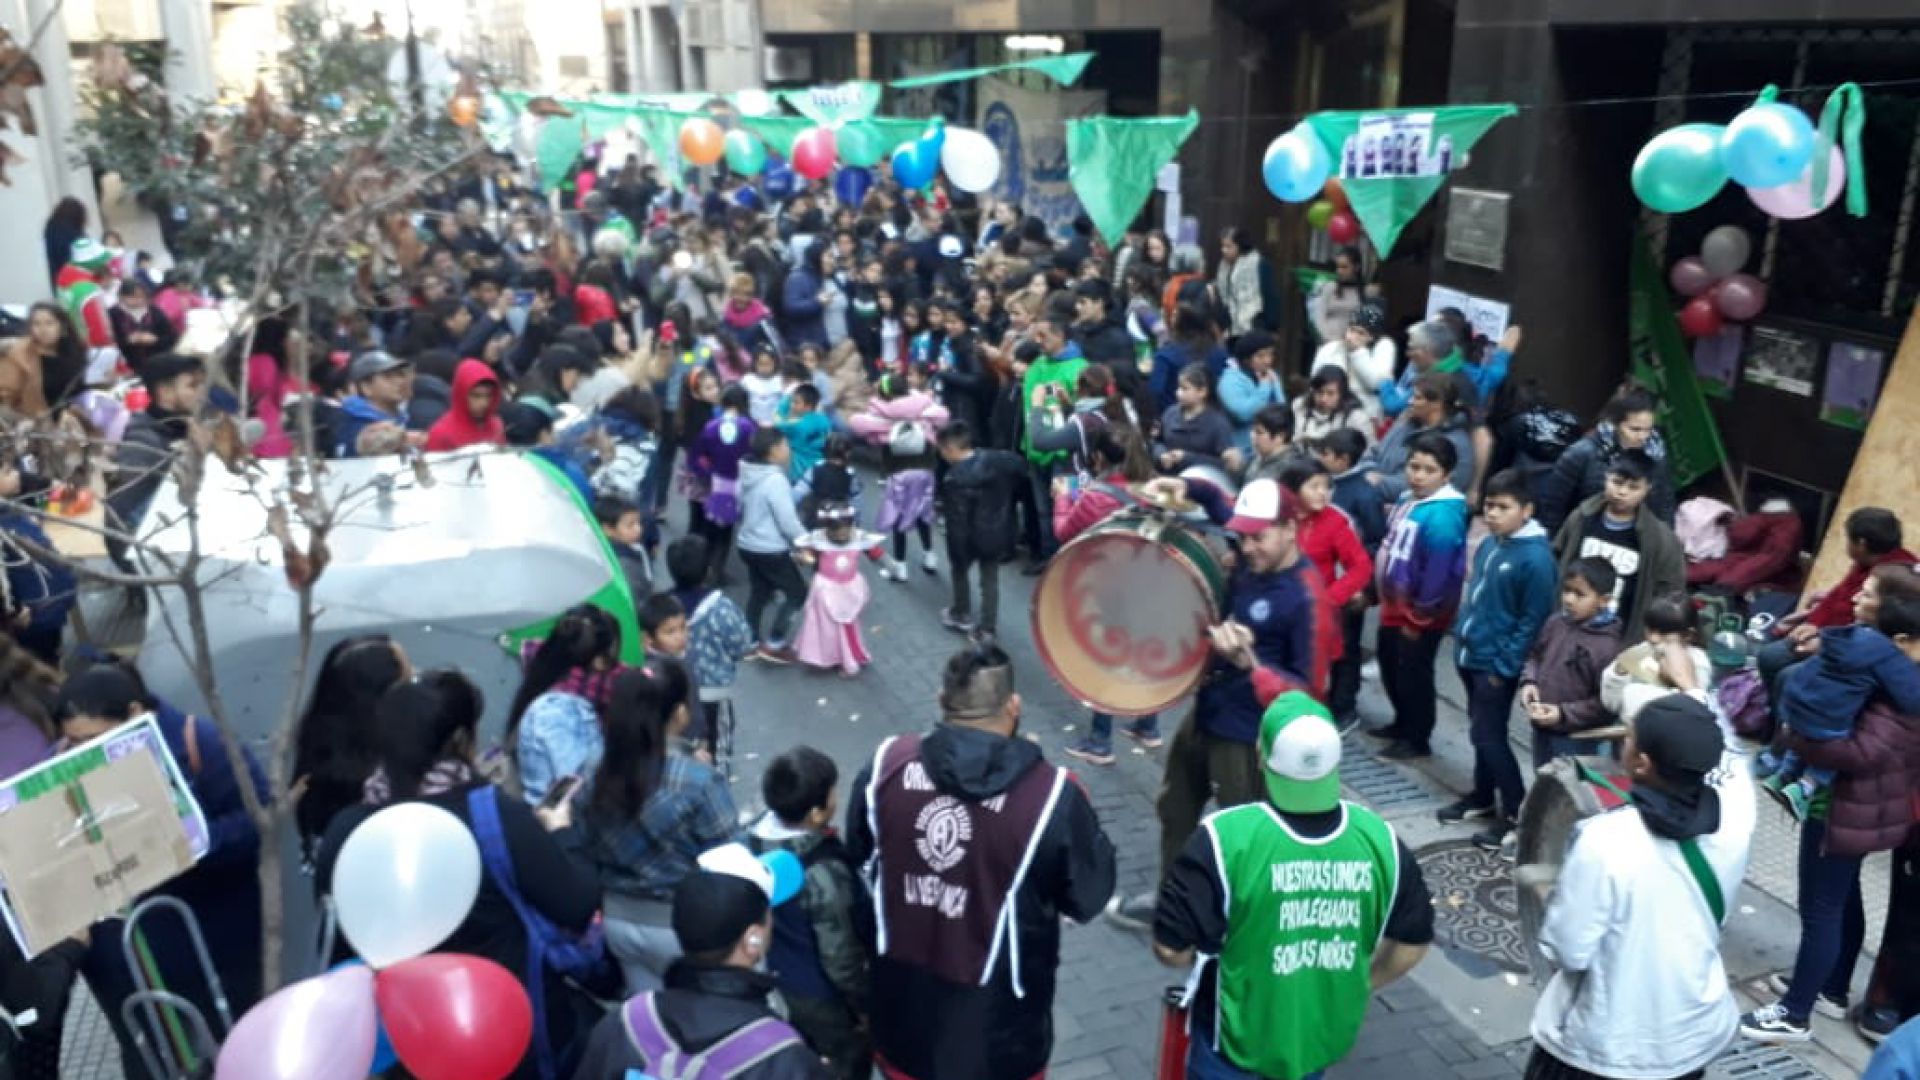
(721,377)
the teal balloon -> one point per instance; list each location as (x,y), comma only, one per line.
(914,164)
(935,139)
(1680,169)
(746,154)
(860,144)
(1768,145)
(1296,166)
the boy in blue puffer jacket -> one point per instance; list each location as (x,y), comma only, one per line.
(1512,592)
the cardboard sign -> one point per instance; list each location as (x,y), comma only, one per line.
(83,835)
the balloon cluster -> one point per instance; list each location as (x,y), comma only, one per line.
(1334,213)
(1767,149)
(1719,291)
(969,158)
(405,880)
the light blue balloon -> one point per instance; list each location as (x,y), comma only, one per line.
(1768,145)
(1296,167)
(788,874)
(914,164)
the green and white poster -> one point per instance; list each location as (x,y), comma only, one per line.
(1391,162)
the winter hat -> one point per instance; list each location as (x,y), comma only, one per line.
(1372,318)
(712,910)
(88,254)
(1300,754)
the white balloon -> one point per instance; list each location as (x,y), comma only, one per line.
(405,880)
(970,159)
(1726,251)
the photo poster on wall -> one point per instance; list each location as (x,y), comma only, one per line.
(1489,318)
(1028,127)
(1716,361)
(1783,360)
(1852,385)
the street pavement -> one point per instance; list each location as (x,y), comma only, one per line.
(1462,1014)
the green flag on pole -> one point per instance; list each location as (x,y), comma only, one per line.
(1064,70)
(1112,163)
(834,104)
(1662,363)
(1391,162)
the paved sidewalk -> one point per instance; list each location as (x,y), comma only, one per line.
(1460,1015)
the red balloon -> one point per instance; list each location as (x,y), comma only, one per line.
(813,153)
(453,1017)
(1699,318)
(1343,228)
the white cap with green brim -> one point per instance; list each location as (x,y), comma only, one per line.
(1300,754)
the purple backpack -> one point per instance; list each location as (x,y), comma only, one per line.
(731,1057)
(1743,698)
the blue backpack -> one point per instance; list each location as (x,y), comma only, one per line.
(580,957)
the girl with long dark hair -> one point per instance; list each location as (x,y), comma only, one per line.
(646,816)
(47,366)
(553,725)
(335,743)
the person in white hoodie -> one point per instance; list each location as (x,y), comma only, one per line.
(1635,917)
(1366,353)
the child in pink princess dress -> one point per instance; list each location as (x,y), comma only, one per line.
(829,634)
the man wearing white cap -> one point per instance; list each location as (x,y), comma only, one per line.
(1293,910)
(1277,596)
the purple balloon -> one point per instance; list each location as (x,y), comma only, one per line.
(1741,297)
(1794,201)
(1690,277)
(323,1028)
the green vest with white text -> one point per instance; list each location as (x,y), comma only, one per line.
(1303,919)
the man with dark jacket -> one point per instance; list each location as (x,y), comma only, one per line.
(176,390)
(1103,338)
(715,1001)
(939,819)
(978,498)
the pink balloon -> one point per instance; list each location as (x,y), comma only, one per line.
(321,1028)
(1690,277)
(813,153)
(1740,297)
(1795,201)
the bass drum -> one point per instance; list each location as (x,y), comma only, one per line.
(1562,796)
(1122,612)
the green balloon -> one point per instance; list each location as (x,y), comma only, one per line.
(1319,214)
(860,144)
(1680,169)
(746,155)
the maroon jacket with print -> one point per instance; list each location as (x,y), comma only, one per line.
(1565,665)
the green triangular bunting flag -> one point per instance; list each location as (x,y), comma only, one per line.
(660,130)
(555,148)
(778,132)
(1064,70)
(1392,162)
(1112,163)
(834,104)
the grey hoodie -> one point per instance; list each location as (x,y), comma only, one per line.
(769,524)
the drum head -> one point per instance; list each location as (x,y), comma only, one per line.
(1121,619)
(1558,800)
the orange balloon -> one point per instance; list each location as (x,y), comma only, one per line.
(701,141)
(463,110)
(1336,194)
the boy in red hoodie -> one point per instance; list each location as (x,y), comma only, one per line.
(1328,539)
